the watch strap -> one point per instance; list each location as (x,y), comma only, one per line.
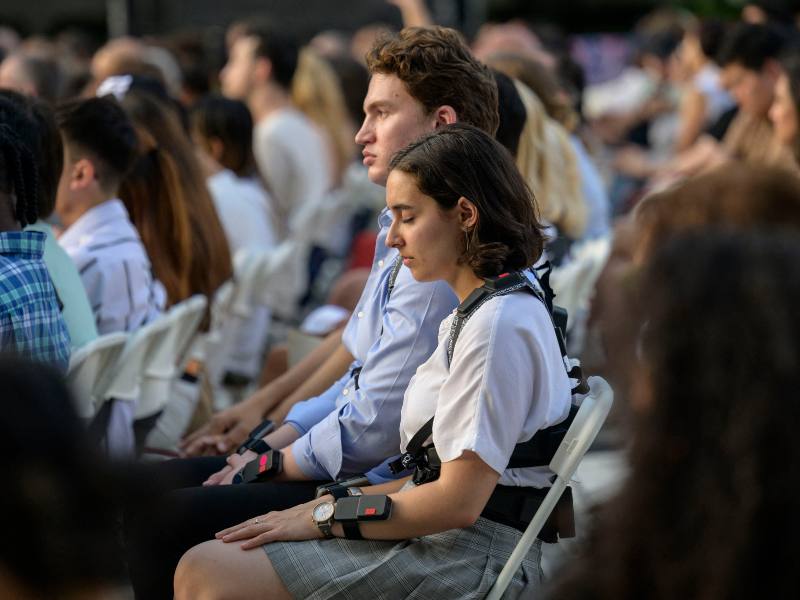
(325,528)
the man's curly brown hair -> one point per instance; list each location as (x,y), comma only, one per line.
(438,69)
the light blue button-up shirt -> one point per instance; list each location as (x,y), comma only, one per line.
(347,430)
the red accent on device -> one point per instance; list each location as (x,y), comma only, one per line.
(503,275)
(370,511)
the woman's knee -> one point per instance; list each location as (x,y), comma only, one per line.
(195,574)
(215,570)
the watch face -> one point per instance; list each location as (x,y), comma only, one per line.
(323,512)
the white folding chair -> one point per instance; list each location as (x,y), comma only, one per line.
(580,435)
(167,355)
(125,385)
(90,370)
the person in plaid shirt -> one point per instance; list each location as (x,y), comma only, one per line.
(30,316)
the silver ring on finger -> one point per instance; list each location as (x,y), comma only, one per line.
(255,521)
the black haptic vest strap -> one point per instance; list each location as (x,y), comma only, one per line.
(398,262)
(539,450)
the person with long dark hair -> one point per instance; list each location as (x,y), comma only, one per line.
(710,500)
(169,202)
(462,214)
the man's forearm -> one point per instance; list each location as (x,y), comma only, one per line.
(338,359)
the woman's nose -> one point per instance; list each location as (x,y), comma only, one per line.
(392,239)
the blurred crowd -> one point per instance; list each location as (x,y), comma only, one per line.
(666,186)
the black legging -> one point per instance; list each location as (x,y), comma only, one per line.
(190,514)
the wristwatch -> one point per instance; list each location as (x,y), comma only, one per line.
(322,515)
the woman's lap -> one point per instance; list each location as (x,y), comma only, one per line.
(459,564)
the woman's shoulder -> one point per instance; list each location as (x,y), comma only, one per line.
(515,313)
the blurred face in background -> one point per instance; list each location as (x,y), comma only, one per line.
(393,120)
(13,76)
(783,113)
(238,76)
(753,90)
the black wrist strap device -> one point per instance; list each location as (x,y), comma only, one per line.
(255,436)
(338,489)
(261,468)
(354,509)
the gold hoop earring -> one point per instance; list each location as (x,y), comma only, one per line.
(467,243)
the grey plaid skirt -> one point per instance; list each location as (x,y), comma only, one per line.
(458,564)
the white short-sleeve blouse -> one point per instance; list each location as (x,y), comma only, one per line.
(507,381)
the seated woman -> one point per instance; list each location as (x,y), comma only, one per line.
(710,499)
(222,130)
(462,214)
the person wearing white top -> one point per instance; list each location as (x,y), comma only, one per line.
(292,157)
(462,214)
(289,150)
(243,207)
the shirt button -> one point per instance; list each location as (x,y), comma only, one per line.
(361,314)
(345,391)
(380,263)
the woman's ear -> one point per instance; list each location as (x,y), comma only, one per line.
(445,115)
(467,214)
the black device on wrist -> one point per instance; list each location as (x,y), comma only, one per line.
(255,436)
(263,467)
(353,509)
(338,489)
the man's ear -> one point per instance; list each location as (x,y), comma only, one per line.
(262,69)
(82,174)
(445,115)
(467,214)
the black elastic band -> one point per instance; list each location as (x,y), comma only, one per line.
(351,530)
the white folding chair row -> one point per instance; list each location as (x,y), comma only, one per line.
(127,366)
(90,371)
(580,435)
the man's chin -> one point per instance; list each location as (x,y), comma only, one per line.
(377,175)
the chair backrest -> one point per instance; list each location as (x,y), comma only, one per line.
(281,277)
(579,437)
(165,357)
(126,379)
(247,265)
(90,370)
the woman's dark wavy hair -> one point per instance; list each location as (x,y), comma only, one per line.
(709,509)
(461,160)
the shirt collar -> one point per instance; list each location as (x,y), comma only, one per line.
(25,244)
(94,218)
(385,218)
